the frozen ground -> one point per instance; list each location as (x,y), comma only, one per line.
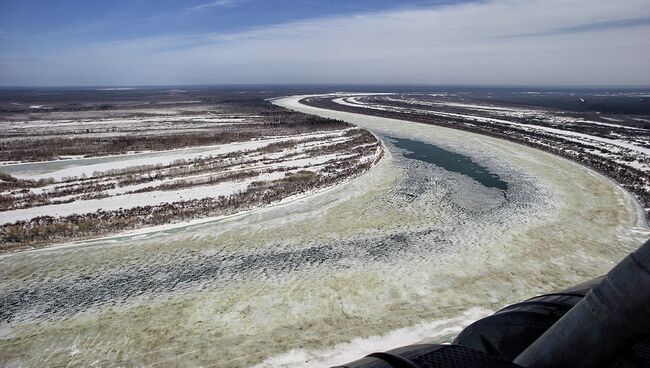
(122,196)
(404,252)
(80,175)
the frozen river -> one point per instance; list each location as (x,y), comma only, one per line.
(407,251)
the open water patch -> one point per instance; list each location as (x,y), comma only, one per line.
(448,160)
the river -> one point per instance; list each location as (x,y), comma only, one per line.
(407,251)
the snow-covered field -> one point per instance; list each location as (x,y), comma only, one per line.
(250,158)
(78,167)
(405,252)
(261,160)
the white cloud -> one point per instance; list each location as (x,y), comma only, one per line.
(214,4)
(531,42)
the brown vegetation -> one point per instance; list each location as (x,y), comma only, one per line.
(262,119)
(44,230)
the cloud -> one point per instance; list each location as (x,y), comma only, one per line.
(214,4)
(587,42)
(592,27)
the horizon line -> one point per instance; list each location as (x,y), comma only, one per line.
(321,84)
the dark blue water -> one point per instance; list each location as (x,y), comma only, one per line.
(449,161)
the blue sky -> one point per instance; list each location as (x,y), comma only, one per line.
(531,42)
(52,23)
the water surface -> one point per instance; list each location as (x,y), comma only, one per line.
(448,160)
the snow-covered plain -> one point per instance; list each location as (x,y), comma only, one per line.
(81,185)
(122,198)
(60,169)
(379,260)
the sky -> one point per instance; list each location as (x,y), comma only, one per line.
(435,42)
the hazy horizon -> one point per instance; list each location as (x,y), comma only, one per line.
(117,87)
